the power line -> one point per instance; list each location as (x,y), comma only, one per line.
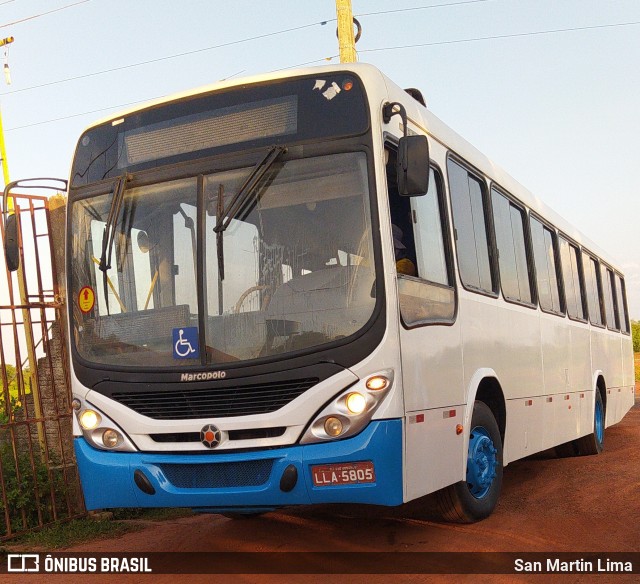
(502,36)
(444,5)
(231,43)
(175,56)
(122,105)
(307,63)
(379,49)
(43,13)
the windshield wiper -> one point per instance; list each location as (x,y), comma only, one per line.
(248,188)
(242,199)
(109,233)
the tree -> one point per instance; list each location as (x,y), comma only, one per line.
(635,329)
(12,378)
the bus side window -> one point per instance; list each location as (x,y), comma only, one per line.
(622,304)
(435,290)
(573,281)
(547,268)
(512,250)
(431,255)
(401,219)
(426,296)
(613,322)
(470,228)
(594,291)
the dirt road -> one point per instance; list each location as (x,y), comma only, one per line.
(548,504)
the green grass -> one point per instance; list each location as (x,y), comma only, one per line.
(637,364)
(150,514)
(62,535)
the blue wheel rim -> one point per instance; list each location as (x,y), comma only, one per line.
(482,462)
(599,422)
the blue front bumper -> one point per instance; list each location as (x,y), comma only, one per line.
(108,477)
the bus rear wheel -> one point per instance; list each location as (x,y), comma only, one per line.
(594,442)
(476,497)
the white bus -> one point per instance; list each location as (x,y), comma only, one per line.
(304,288)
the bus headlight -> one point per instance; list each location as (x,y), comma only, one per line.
(89,419)
(111,438)
(349,412)
(98,430)
(356,403)
(333,426)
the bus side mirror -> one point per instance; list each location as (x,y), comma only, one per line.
(413,166)
(11,249)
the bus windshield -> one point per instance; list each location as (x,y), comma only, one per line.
(298,266)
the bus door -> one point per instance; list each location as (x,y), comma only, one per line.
(430,341)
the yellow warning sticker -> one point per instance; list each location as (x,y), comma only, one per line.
(86,299)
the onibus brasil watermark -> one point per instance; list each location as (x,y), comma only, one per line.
(577,566)
(49,564)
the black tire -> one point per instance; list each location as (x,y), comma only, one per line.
(566,450)
(457,503)
(594,442)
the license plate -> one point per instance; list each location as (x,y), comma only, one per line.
(346,473)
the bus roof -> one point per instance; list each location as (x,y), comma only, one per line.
(378,83)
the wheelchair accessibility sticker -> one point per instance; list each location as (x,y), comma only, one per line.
(185,343)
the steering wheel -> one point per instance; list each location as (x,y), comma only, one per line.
(251,290)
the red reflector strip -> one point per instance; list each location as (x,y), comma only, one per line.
(567,397)
(418,419)
(528,402)
(549,399)
(449,414)
(582,396)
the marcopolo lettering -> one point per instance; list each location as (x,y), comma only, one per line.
(203,376)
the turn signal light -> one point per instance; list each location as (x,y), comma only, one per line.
(377,383)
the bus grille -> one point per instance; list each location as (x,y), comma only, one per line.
(248,434)
(220,475)
(215,402)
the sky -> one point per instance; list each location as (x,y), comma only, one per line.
(548,89)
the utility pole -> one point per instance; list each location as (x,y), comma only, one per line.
(3,152)
(346,40)
(27,322)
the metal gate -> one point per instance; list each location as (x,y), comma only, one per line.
(39,482)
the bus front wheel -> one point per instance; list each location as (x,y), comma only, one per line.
(476,497)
